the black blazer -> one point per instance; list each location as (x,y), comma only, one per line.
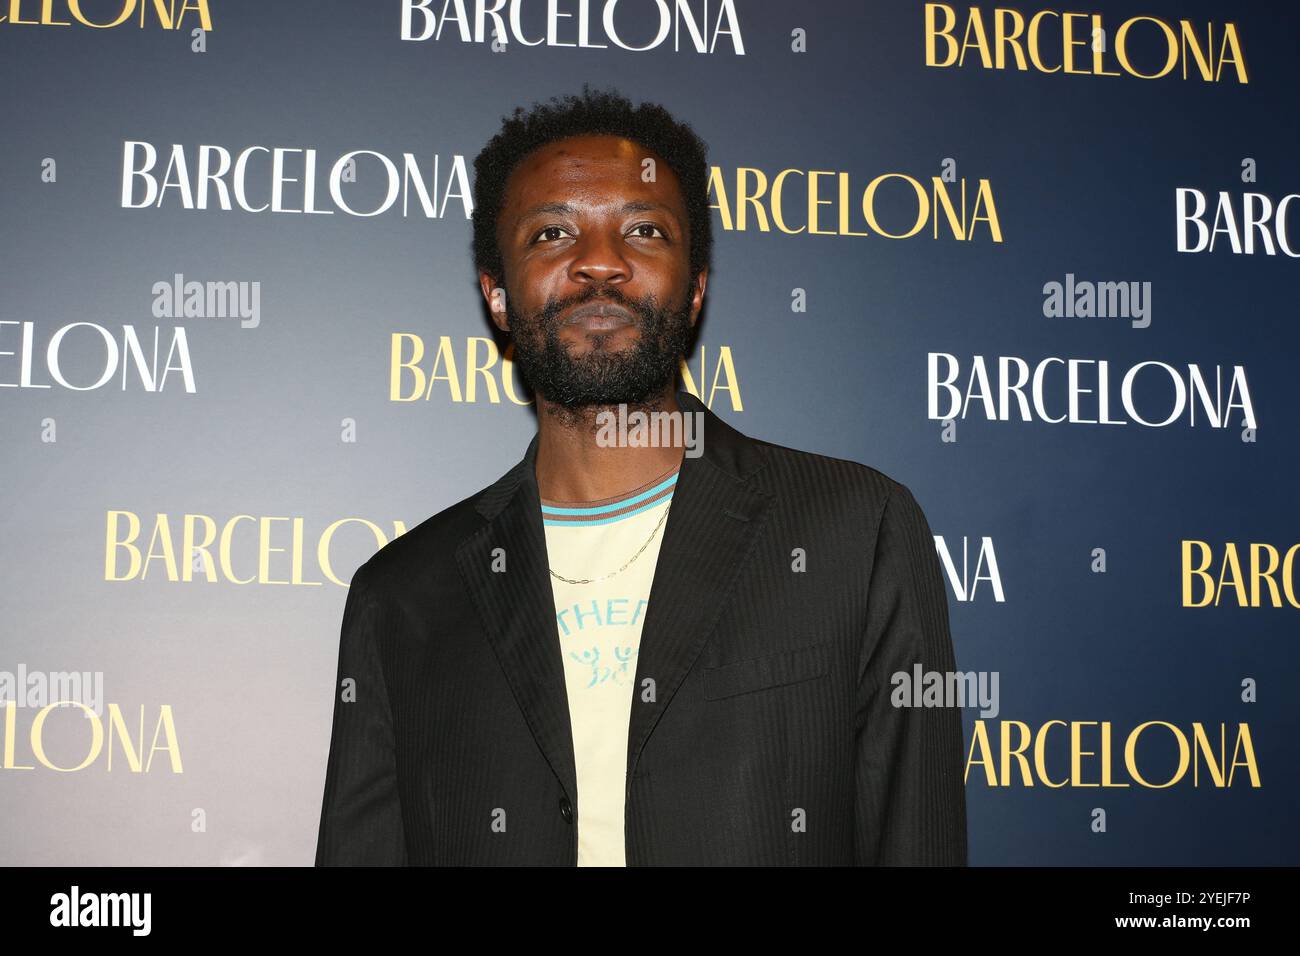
(771,738)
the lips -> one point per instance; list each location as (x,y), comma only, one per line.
(599,315)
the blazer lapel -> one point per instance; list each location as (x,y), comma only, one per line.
(713,521)
(517,606)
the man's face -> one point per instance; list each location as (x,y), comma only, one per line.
(599,301)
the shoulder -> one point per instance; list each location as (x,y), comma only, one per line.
(409,559)
(826,482)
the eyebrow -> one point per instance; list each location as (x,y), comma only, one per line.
(567,209)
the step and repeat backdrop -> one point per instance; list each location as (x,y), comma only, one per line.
(1037,263)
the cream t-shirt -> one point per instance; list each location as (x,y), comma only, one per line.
(599,626)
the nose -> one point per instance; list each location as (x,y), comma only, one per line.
(598,258)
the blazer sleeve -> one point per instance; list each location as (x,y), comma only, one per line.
(361,814)
(910,799)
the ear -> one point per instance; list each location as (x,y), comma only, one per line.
(494,293)
(697,294)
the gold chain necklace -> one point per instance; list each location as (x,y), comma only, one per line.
(629,560)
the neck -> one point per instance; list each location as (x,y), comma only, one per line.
(572,466)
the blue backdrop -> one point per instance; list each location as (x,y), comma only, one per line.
(310,392)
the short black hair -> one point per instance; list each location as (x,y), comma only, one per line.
(590,113)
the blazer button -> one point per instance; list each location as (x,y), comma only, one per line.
(566,809)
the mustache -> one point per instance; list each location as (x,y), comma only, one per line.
(644,311)
(647,312)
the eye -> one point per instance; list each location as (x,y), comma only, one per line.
(546,230)
(647,225)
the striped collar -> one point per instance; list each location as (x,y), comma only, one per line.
(604,511)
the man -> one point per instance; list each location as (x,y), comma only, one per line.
(628,653)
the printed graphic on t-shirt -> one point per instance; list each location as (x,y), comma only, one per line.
(600,629)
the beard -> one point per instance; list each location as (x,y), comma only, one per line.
(602,375)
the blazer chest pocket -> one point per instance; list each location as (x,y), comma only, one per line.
(772,670)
